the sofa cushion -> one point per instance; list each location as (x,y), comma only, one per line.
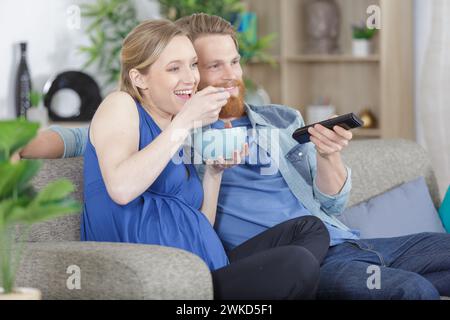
(65,228)
(403,210)
(379,165)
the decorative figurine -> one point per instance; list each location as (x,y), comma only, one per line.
(369,119)
(322,18)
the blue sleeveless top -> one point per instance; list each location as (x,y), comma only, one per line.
(167,213)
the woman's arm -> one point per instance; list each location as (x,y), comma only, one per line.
(127,172)
(211,186)
(213,178)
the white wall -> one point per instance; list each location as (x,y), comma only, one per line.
(52,45)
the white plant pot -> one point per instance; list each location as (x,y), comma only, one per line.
(21,294)
(361,47)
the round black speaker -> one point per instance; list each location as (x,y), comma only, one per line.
(72,96)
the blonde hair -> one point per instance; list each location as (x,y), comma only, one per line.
(142,47)
(201,24)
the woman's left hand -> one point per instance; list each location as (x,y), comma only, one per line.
(329,142)
(220,164)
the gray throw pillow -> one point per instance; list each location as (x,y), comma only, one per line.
(406,209)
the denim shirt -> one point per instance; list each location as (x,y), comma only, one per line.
(75,140)
(297,163)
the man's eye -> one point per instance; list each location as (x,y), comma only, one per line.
(214,66)
(235,62)
(195,65)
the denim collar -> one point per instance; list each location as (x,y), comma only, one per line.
(254,117)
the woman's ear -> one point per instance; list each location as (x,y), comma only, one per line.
(137,79)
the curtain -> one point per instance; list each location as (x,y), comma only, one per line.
(433,90)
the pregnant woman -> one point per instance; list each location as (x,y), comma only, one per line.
(135,191)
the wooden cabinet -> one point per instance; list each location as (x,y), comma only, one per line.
(382,82)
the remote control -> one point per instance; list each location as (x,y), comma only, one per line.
(347,121)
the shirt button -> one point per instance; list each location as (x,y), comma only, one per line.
(300,154)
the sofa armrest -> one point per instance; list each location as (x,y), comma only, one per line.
(113,271)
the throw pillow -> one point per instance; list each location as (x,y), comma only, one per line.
(403,210)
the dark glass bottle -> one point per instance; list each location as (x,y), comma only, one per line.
(23,84)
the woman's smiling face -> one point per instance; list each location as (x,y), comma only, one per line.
(174,76)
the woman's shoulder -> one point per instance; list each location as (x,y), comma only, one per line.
(117,104)
(117,112)
(117,101)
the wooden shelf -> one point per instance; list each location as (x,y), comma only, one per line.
(276,58)
(332,59)
(369,133)
(382,82)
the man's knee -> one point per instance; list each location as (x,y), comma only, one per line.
(415,287)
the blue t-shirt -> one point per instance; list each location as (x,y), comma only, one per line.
(250,202)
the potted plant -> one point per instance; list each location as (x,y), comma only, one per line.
(110,22)
(21,205)
(362,36)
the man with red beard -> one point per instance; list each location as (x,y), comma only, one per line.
(308,180)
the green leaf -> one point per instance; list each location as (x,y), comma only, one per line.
(37,213)
(56,190)
(7,174)
(16,177)
(29,169)
(8,206)
(5,207)
(14,135)
(35,98)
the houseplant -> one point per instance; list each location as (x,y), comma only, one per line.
(21,205)
(110,22)
(362,37)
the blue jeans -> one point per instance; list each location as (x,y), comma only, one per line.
(410,267)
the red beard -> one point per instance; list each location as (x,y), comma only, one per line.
(235,107)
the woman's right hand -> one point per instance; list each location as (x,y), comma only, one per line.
(203,108)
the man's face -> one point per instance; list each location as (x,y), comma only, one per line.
(219,66)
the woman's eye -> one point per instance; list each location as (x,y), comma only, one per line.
(174,69)
(195,65)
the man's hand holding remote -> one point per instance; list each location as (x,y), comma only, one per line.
(329,142)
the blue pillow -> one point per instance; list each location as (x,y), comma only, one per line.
(444,211)
(403,210)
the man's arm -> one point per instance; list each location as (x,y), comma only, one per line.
(331,178)
(331,174)
(57,142)
(47,145)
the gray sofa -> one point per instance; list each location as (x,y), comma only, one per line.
(132,271)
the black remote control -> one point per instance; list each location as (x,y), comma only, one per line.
(347,121)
